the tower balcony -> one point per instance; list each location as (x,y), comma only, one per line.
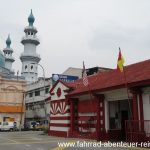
(30,28)
(7,49)
(9,58)
(28,57)
(30,39)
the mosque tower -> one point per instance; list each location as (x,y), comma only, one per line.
(29,57)
(8,55)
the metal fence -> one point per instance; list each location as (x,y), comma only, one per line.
(137,130)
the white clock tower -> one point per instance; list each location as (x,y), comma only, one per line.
(29,57)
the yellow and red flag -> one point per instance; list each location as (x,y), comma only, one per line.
(120,62)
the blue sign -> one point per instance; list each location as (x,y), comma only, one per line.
(66,78)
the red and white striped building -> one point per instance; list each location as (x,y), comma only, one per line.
(59,110)
(101,113)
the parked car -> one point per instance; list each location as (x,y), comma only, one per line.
(30,125)
(8,126)
(36,125)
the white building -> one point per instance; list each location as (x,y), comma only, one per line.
(36,100)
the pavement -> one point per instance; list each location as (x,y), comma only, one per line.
(36,140)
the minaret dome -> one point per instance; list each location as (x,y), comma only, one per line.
(31,19)
(8,41)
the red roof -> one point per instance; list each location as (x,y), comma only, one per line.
(135,73)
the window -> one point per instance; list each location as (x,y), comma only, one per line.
(5,123)
(25,67)
(31,67)
(30,94)
(30,107)
(42,105)
(46,90)
(37,93)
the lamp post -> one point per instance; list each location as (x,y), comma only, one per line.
(44,89)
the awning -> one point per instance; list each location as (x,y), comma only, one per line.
(85,118)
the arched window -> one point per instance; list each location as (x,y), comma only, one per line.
(31,67)
(25,67)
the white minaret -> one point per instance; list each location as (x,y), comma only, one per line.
(8,55)
(29,57)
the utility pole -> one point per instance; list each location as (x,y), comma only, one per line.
(44,90)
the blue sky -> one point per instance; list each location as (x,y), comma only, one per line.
(71,31)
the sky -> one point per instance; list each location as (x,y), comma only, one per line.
(73,31)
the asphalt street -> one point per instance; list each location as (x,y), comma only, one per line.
(36,140)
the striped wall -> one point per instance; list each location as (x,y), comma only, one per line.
(59,118)
(59,112)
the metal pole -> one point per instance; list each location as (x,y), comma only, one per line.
(22,110)
(44,90)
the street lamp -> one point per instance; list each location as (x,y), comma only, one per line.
(44,89)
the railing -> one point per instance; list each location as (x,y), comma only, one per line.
(137,130)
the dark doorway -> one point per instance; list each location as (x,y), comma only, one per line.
(124,117)
(118,114)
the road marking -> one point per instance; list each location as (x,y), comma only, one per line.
(12,140)
(9,140)
(59,148)
(62,148)
(138,148)
(40,142)
(27,145)
(40,148)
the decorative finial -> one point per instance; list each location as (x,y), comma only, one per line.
(8,41)
(31,19)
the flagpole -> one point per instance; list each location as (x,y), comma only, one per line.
(121,67)
(126,86)
(84,75)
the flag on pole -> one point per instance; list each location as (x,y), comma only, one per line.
(120,62)
(85,79)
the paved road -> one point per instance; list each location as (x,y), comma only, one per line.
(35,140)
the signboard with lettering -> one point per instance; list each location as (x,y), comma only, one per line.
(66,78)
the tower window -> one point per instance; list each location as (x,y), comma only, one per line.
(31,67)
(25,67)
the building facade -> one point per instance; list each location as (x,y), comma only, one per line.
(102,111)
(12,101)
(12,89)
(37,104)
